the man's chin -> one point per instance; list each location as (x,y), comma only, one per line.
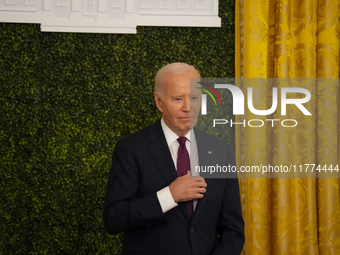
(193,123)
(187,125)
(183,130)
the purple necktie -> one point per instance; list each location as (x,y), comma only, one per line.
(183,166)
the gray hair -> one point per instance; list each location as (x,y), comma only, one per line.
(172,69)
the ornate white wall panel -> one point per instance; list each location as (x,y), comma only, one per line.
(110,16)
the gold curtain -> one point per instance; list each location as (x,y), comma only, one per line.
(290,39)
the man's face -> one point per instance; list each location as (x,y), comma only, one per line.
(179,103)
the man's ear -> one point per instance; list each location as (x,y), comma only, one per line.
(158,101)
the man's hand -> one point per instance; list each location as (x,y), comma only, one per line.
(186,188)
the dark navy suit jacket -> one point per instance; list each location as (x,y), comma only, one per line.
(141,166)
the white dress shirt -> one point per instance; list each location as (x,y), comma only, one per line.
(164,195)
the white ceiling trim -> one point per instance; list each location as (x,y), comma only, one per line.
(110,16)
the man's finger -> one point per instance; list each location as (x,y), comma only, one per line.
(202,185)
(202,190)
(199,179)
(199,195)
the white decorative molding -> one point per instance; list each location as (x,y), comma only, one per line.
(164,4)
(116,4)
(60,3)
(110,16)
(146,4)
(9,2)
(29,2)
(200,4)
(182,4)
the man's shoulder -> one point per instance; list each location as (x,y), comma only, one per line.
(208,139)
(142,134)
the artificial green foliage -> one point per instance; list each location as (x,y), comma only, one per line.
(65,100)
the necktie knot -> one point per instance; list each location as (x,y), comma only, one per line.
(182,140)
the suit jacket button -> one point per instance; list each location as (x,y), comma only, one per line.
(192,229)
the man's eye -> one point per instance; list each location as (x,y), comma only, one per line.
(178,99)
(194,98)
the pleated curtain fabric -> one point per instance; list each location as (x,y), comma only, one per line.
(290,39)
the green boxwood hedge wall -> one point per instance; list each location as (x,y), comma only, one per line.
(65,100)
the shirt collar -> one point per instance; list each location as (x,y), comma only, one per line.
(170,136)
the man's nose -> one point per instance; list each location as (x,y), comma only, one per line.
(186,105)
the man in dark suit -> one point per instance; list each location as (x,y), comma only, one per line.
(153,197)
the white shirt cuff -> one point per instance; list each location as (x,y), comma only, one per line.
(165,199)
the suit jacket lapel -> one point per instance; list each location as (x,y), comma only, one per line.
(159,150)
(205,159)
